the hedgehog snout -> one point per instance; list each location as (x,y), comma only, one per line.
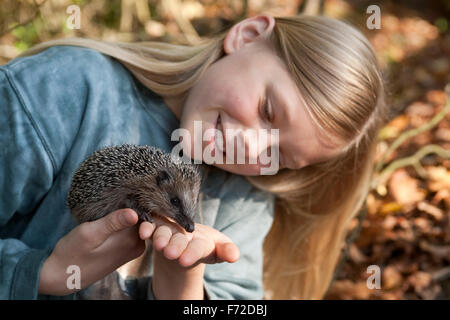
(189,227)
(185,221)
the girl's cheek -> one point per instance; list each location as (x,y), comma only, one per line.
(238,105)
(242,113)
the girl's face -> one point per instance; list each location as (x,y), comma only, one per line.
(231,95)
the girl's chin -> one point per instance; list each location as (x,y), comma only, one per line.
(244,170)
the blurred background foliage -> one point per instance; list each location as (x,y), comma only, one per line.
(404,226)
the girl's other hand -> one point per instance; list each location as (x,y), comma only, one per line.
(97,248)
(204,245)
(180,258)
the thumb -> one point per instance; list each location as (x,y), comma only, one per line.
(227,251)
(113,222)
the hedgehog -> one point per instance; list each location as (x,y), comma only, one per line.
(143,178)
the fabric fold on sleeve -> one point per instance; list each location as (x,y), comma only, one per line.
(26,175)
(27,274)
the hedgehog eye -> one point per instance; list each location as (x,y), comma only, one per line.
(175,201)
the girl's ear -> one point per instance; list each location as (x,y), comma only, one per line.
(248,30)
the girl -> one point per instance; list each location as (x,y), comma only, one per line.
(315,79)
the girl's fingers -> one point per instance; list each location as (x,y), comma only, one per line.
(196,250)
(100,230)
(163,221)
(176,246)
(161,237)
(146,230)
(207,246)
(227,251)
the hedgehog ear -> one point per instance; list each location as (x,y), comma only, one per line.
(162,175)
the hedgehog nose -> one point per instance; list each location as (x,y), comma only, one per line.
(189,227)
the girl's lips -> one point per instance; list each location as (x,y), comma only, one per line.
(219,128)
(213,137)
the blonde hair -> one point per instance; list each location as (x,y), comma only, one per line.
(338,75)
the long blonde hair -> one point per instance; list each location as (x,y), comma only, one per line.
(337,73)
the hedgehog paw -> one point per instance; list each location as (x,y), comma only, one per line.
(147,217)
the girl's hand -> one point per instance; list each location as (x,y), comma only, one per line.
(180,258)
(204,245)
(97,248)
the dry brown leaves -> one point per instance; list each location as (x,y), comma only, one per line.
(407,230)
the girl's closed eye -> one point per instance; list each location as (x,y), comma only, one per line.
(266,111)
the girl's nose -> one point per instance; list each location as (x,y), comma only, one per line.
(259,143)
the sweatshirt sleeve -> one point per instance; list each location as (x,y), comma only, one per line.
(26,175)
(246,219)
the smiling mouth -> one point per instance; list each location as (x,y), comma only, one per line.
(219,128)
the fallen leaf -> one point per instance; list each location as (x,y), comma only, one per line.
(405,189)
(431,292)
(420,109)
(392,295)
(419,280)
(442,134)
(391,278)
(372,203)
(393,128)
(389,222)
(390,207)
(155,29)
(441,274)
(443,194)
(422,224)
(440,251)
(349,290)
(431,210)
(437,97)
(439,178)
(356,255)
